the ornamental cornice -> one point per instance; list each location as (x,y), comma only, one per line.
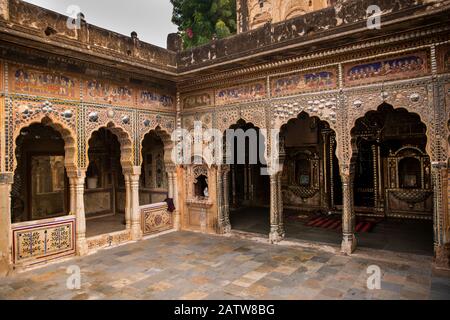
(425,41)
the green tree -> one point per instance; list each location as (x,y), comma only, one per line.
(199,21)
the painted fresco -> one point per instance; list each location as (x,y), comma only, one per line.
(443,58)
(197,100)
(152,99)
(33,82)
(243,93)
(1,76)
(389,69)
(104,92)
(305,82)
(447,60)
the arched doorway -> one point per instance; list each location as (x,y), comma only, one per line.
(153,183)
(392,183)
(310,182)
(105,191)
(41,186)
(249,192)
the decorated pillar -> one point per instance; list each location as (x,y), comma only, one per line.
(135,213)
(280,207)
(127,201)
(6,181)
(220,211)
(76,180)
(276,235)
(173,194)
(348,215)
(441,242)
(226,200)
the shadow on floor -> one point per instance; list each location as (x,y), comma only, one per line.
(105,224)
(398,235)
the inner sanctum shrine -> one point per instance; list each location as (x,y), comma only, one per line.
(97,127)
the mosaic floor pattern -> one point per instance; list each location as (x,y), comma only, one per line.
(184,265)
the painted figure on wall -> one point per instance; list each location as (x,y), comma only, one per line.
(247,92)
(389,69)
(35,82)
(301,83)
(151,98)
(199,100)
(105,93)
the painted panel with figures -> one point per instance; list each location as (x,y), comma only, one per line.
(104,92)
(245,92)
(414,64)
(303,82)
(24,80)
(443,57)
(203,99)
(153,99)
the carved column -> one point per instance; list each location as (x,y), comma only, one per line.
(6,181)
(441,243)
(76,179)
(280,208)
(226,200)
(348,215)
(173,194)
(127,201)
(135,213)
(275,235)
(220,210)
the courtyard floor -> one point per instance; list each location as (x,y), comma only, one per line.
(185,265)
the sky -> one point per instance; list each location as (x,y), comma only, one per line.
(151,19)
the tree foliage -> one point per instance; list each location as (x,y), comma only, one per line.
(199,21)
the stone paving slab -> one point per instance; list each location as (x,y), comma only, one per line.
(193,266)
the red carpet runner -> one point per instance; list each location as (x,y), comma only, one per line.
(335,223)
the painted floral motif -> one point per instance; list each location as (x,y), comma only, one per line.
(43,83)
(238,94)
(103,92)
(387,69)
(303,82)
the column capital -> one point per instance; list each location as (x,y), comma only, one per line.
(76,173)
(6,178)
(132,170)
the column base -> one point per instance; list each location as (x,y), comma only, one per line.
(177,220)
(348,245)
(136,233)
(82,247)
(442,257)
(275,235)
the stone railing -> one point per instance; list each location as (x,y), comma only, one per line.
(40,241)
(155,218)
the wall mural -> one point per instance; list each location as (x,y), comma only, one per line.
(303,82)
(389,69)
(197,100)
(104,92)
(27,81)
(152,99)
(253,91)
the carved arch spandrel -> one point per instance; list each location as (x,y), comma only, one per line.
(166,139)
(59,117)
(255,114)
(163,125)
(323,107)
(414,99)
(125,141)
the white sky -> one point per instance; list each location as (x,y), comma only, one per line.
(151,19)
